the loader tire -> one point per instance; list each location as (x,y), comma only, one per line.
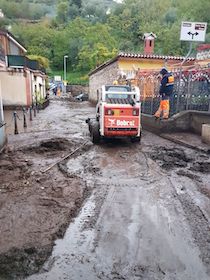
(95,133)
(136,139)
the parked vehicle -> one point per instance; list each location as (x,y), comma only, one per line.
(82,97)
(118,114)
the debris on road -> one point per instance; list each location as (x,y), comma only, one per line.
(65,157)
(109,211)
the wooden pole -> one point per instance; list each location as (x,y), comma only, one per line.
(70,154)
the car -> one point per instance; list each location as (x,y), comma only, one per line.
(82,97)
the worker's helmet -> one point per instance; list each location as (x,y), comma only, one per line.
(163,71)
(115,82)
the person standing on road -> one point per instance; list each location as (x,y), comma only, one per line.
(166,89)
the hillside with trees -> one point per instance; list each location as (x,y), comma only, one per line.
(91,32)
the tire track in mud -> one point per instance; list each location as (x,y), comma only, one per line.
(195,217)
(195,165)
(114,174)
(100,190)
(148,272)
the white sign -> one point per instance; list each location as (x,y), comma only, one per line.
(193,31)
(57,78)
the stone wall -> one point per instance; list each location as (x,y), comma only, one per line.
(102,77)
(198,119)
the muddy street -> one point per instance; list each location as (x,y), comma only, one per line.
(118,210)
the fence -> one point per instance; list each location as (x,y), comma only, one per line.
(191,91)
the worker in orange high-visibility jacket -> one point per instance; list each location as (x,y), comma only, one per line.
(166,90)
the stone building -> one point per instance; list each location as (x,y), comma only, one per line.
(128,65)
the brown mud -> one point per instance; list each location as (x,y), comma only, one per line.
(114,211)
(36,207)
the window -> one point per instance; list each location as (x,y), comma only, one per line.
(117,95)
(118,88)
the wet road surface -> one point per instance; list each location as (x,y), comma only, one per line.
(145,212)
(142,220)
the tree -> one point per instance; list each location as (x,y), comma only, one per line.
(43,61)
(62,12)
(98,46)
(37,38)
(77,3)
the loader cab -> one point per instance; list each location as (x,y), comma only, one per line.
(119,94)
(118,113)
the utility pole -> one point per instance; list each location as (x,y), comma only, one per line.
(64,68)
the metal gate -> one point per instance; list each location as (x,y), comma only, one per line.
(191,91)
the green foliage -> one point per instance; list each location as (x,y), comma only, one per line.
(98,46)
(23,9)
(91,32)
(76,78)
(43,61)
(36,37)
(62,12)
(4,23)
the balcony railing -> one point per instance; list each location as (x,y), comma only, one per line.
(18,61)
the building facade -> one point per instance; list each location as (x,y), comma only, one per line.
(203,55)
(2,124)
(9,45)
(21,78)
(128,65)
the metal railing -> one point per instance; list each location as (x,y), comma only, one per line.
(191,92)
(23,61)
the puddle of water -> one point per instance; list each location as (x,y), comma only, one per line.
(69,259)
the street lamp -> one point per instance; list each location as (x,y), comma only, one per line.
(64,67)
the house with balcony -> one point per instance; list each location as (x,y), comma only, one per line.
(22,80)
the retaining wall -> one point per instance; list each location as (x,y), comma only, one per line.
(187,121)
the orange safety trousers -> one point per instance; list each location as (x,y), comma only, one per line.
(163,109)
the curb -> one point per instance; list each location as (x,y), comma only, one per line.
(185,144)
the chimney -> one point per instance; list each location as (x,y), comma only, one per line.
(149,42)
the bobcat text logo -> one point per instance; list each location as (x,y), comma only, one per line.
(113,122)
(125,123)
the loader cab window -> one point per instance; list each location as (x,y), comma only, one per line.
(117,95)
(118,88)
(119,98)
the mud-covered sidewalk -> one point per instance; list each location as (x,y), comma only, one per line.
(129,211)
